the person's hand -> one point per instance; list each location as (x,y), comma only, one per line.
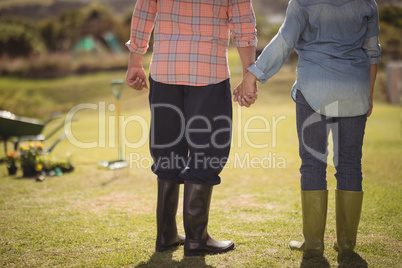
(370,110)
(246,92)
(136,77)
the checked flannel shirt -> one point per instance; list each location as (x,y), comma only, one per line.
(191,37)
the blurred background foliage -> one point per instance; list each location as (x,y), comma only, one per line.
(70,42)
(55,42)
(391,32)
(19,38)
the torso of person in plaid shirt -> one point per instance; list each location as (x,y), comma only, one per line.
(191,37)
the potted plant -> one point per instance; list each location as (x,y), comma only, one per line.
(11,162)
(29,157)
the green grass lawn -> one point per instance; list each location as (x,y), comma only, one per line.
(95,217)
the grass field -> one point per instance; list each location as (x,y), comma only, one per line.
(95,217)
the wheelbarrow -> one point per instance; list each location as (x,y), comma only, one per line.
(25,128)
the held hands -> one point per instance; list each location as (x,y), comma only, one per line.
(246,92)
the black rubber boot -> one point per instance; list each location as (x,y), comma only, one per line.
(197,200)
(168,198)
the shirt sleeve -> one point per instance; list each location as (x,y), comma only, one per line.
(371,45)
(242,23)
(278,50)
(142,24)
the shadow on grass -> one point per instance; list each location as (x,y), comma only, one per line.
(165,259)
(351,259)
(314,260)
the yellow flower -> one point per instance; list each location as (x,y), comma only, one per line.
(38,167)
(24,148)
(39,145)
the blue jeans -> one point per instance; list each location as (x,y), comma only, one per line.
(347,134)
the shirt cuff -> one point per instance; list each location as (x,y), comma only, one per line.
(374,60)
(372,49)
(257,73)
(135,50)
(249,42)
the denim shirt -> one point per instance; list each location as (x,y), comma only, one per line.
(336,41)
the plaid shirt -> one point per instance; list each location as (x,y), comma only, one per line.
(191,37)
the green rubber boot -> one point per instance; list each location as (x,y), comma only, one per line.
(314,213)
(348,208)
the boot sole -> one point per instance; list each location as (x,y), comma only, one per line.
(166,248)
(205,252)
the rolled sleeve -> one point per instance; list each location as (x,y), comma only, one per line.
(278,50)
(371,45)
(141,26)
(257,73)
(242,23)
(271,59)
(372,49)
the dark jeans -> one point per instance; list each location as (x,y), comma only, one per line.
(191,129)
(347,134)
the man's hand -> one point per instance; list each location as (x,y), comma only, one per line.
(136,77)
(246,92)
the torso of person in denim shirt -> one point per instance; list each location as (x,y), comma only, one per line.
(337,41)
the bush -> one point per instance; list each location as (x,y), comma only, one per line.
(390,32)
(18,38)
(62,33)
(391,15)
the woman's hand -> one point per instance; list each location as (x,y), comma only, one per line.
(370,110)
